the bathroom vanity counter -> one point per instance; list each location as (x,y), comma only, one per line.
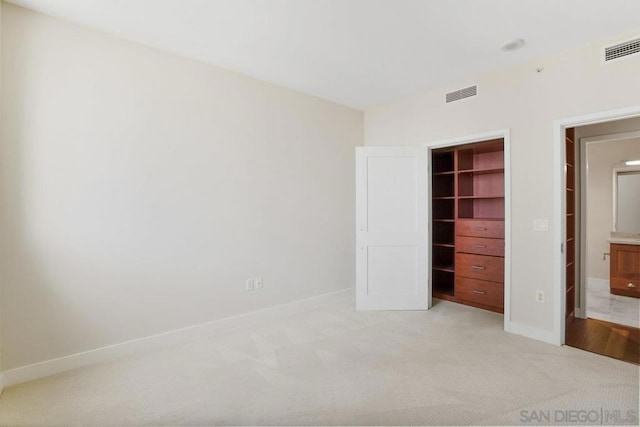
(624,241)
(624,238)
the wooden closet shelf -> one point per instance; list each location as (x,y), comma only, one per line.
(480,197)
(480,171)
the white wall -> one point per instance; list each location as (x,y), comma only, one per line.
(139,190)
(571,84)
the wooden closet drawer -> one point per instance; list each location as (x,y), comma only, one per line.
(627,287)
(480,228)
(480,291)
(480,245)
(480,267)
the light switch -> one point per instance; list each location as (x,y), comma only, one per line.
(540,225)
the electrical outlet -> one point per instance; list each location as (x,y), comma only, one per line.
(539,296)
(259,283)
(251,284)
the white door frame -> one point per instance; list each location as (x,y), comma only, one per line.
(585,143)
(560,208)
(505,134)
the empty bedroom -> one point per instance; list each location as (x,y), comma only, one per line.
(319,212)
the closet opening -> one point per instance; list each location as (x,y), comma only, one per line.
(468,224)
(434,221)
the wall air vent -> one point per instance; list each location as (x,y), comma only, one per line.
(462,93)
(621,50)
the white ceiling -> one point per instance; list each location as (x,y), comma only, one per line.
(355,52)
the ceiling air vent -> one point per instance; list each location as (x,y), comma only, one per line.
(621,50)
(462,93)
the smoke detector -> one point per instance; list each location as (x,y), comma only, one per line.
(512,45)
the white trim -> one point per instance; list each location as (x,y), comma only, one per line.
(505,134)
(167,339)
(479,137)
(582,216)
(560,208)
(611,137)
(531,332)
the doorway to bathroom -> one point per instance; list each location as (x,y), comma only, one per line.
(603,238)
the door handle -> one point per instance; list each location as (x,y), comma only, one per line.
(479,229)
(477,267)
(475,291)
(478,246)
(631,285)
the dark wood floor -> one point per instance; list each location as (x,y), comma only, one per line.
(609,339)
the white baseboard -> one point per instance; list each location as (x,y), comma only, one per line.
(533,333)
(165,339)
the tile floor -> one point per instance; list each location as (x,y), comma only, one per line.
(603,305)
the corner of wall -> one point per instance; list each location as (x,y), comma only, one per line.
(550,337)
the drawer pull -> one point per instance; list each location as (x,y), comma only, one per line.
(475,291)
(631,285)
(479,229)
(478,246)
(477,267)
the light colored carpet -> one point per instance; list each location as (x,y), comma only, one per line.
(333,365)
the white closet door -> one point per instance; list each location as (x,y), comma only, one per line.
(391,229)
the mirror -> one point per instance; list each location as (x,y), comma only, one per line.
(626,203)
